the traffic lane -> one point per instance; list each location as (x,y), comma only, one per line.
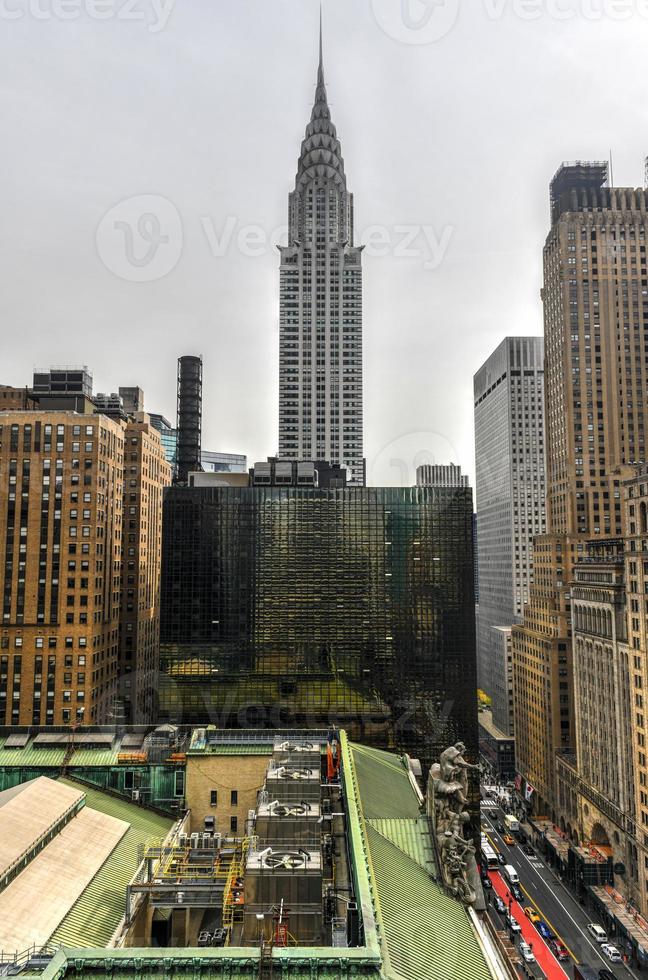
(558,907)
(562,913)
(545,958)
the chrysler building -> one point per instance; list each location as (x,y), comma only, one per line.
(320,359)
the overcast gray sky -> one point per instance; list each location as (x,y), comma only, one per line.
(149,147)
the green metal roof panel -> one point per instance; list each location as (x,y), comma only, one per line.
(93,757)
(95,916)
(428,934)
(412,837)
(30,758)
(208,963)
(384,786)
(425,934)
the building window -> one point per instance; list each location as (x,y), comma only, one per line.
(179,783)
(234,797)
(213,798)
(233,824)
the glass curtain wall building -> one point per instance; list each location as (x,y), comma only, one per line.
(310,607)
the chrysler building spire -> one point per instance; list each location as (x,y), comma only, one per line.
(320,361)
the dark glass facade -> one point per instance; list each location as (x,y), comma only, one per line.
(310,607)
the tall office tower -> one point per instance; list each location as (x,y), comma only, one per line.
(61,486)
(320,354)
(169,438)
(636,583)
(146,473)
(510,491)
(596,335)
(596,784)
(440,476)
(291,605)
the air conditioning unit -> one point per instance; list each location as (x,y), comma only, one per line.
(296,753)
(293,784)
(136,795)
(182,840)
(291,874)
(297,746)
(195,840)
(289,822)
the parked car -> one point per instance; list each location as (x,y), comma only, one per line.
(528,850)
(501,858)
(611,952)
(513,924)
(606,974)
(544,930)
(531,914)
(486,882)
(516,892)
(509,840)
(561,952)
(499,905)
(527,953)
(597,932)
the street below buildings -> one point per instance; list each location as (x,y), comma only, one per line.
(555,904)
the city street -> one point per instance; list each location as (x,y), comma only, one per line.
(555,904)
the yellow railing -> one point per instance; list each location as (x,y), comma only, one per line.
(233,896)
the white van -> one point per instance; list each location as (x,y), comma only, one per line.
(511,875)
(597,932)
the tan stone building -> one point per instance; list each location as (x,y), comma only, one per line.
(61,498)
(146,473)
(63,542)
(636,577)
(596,320)
(595,785)
(15,398)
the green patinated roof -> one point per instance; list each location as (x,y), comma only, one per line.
(425,934)
(412,837)
(384,786)
(93,757)
(95,916)
(412,929)
(32,758)
(244,749)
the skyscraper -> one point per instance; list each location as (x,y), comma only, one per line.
(440,476)
(320,356)
(596,349)
(510,491)
(61,500)
(301,606)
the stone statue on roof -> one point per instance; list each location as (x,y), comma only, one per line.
(447,798)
